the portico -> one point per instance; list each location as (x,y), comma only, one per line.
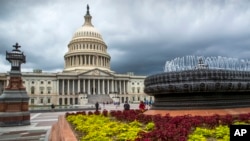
(93,82)
(92,86)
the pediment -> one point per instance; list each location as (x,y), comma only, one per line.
(97,73)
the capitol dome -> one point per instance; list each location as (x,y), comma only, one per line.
(87,50)
(87,32)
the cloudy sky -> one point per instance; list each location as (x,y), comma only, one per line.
(141,34)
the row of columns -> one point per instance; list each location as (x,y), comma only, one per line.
(94,60)
(92,86)
(68,101)
(87,46)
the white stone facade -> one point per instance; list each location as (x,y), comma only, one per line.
(87,72)
(68,88)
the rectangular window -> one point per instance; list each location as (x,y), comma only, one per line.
(49,90)
(133,89)
(32,101)
(41,90)
(48,100)
(41,100)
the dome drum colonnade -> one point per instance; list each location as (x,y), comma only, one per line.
(87,60)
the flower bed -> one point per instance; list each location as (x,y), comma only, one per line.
(154,127)
(99,127)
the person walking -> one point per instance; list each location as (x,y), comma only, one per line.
(142,106)
(126,106)
(96,106)
(52,107)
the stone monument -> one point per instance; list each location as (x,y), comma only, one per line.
(14,107)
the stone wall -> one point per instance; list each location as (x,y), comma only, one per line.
(61,131)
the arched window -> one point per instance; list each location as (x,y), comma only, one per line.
(66,101)
(48,100)
(41,100)
(71,101)
(76,100)
(60,101)
(32,89)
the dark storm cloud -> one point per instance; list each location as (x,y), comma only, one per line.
(36,26)
(188,28)
(141,35)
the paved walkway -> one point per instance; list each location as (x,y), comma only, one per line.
(36,131)
(40,126)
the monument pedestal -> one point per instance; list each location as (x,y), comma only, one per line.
(14,109)
(14,102)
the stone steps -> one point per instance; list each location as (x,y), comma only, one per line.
(98,98)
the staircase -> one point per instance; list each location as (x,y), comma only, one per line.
(98,98)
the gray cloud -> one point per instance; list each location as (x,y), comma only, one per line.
(141,35)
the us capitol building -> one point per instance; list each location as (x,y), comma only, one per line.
(86,77)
